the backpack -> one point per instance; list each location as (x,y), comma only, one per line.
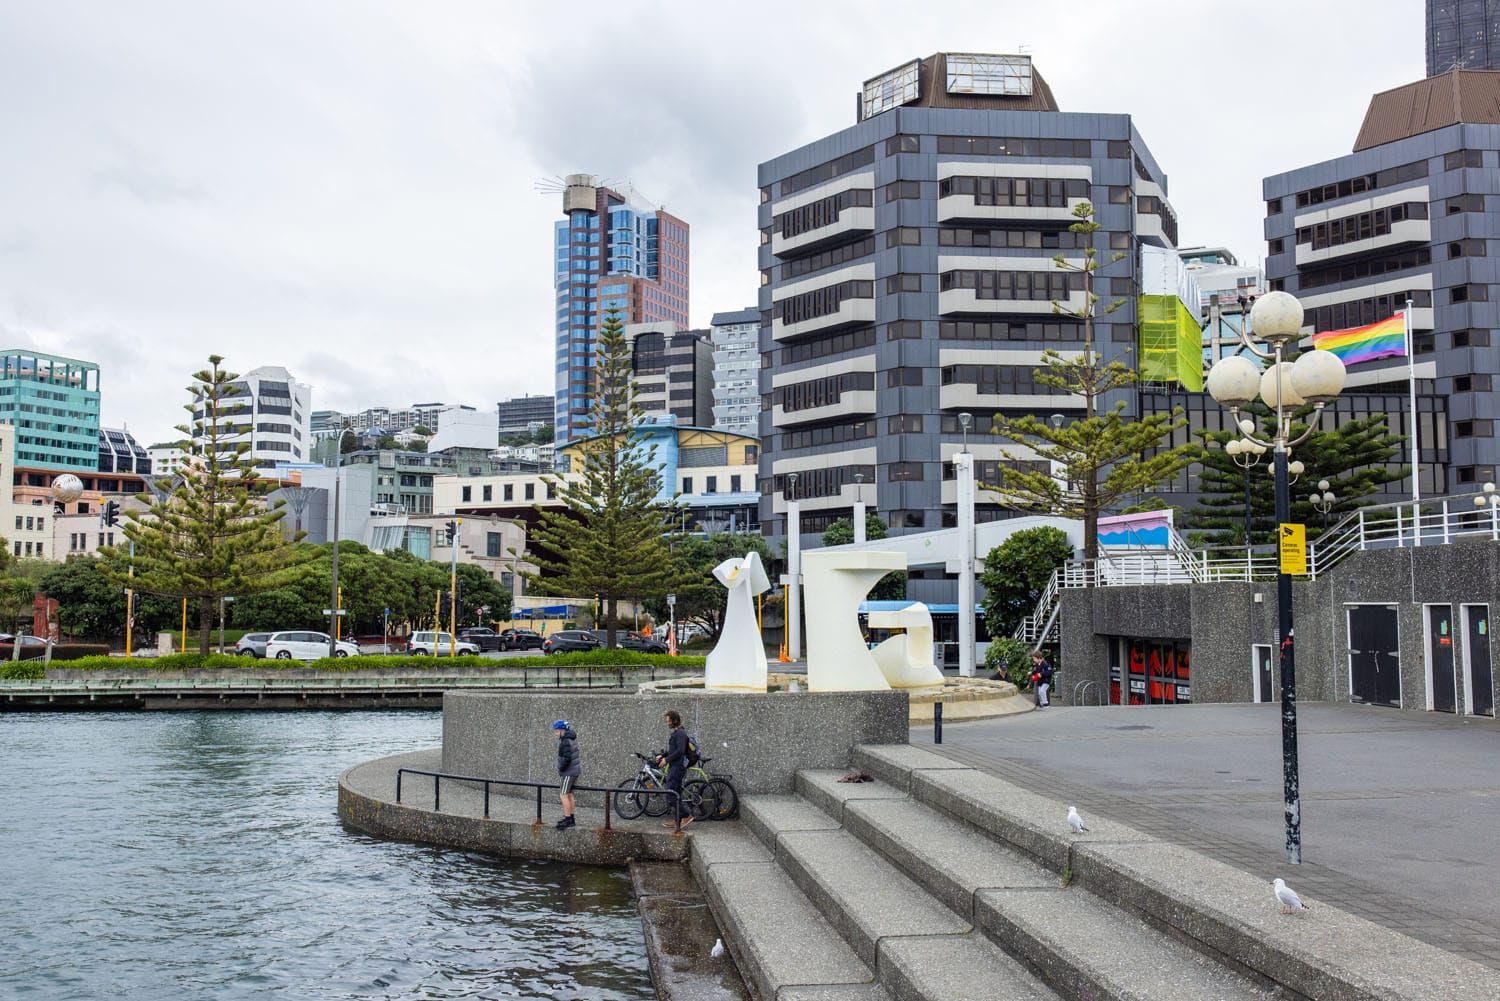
(692,751)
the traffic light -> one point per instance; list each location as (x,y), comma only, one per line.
(110,516)
(450,532)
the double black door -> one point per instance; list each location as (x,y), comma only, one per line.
(1440,658)
(1477,655)
(1374,655)
(1265,672)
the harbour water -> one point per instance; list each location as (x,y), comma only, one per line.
(199,855)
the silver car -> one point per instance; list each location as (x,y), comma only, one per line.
(252,645)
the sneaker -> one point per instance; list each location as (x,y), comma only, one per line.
(566,823)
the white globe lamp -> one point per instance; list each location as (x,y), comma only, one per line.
(67,488)
(1233,381)
(1318,376)
(1276,387)
(1276,317)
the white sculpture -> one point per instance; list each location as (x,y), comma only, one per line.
(738,662)
(906,661)
(837,658)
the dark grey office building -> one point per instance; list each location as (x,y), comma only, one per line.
(907,276)
(517,415)
(1413,213)
(672,372)
(1463,34)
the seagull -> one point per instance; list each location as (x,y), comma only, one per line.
(1288,897)
(1075,821)
(717,952)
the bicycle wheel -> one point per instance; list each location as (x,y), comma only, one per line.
(699,800)
(726,799)
(654,799)
(628,799)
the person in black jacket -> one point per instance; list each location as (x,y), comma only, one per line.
(569,767)
(675,760)
(1041,674)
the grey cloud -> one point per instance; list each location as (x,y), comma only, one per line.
(153,187)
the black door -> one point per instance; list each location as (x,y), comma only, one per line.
(1440,657)
(1374,658)
(1263,672)
(1477,645)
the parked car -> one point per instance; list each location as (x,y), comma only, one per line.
(31,646)
(520,639)
(442,644)
(252,645)
(483,637)
(306,646)
(571,640)
(642,643)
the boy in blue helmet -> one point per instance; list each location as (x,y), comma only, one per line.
(569,767)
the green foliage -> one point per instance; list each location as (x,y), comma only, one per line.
(91,605)
(213,535)
(700,597)
(609,537)
(1353,459)
(840,532)
(542,435)
(1016,573)
(423,430)
(22,670)
(17,596)
(196,661)
(1010,657)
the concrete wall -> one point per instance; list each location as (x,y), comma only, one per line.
(761,740)
(1223,621)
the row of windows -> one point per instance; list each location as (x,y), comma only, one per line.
(823,212)
(849,340)
(1152,205)
(990,330)
(832,434)
(1353,186)
(1360,270)
(1343,315)
(990,473)
(711,484)
(466,493)
(1014,285)
(816,482)
(32,523)
(1020,191)
(990,146)
(1361,226)
(821,302)
(827,171)
(1030,239)
(821,392)
(998,380)
(828,258)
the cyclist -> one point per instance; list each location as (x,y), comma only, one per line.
(676,762)
(569,767)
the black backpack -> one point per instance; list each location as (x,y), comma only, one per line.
(692,750)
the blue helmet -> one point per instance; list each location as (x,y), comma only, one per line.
(561,724)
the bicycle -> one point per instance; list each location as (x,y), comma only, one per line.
(721,799)
(646,793)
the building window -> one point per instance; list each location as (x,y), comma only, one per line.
(1014,285)
(1273,206)
(1469,293)
(510,491)
(821,302)
(903,377)
(1474,429)
(1119,194)
(1471,339)
(904,424)
(822,392)
(492,544)
(1464,203)
(1033,192)
(687,484)
(901,144)
(1276,246)
(823,212)
(1466,248)
(1120,286)
(898,190)
(1360,226)
(906,519)
(734,483)
(1119,149)
(904,471)
(903,283)
(1463,158)
(903,330)
(903,236)
(466,493)
(1002,330)
(1002,146)
(487,492)
(531,491)
(711,484)
(1014,239)
(1119,241)
(827,171)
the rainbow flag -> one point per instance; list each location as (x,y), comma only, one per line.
(1382,339)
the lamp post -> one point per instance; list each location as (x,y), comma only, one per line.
(1316,377)
(1491,500)
(963,474)
(333,594)
(793,577)
(1323,500)
(859,509)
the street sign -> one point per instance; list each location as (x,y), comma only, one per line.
(341,611)
(1292,543)
(671,600)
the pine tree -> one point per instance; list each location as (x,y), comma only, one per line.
(1354,458)
(211,533)
(609,538)
(1105,456)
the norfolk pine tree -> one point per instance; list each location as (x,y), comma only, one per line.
(609,538)
(1105,456)
(214,536)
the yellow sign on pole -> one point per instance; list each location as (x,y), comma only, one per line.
(1292,542)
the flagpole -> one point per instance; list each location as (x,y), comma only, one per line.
(1411,383)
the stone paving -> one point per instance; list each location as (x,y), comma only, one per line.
(1401,810)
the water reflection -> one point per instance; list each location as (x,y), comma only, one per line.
(199,855)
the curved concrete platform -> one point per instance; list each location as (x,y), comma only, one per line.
(962,698)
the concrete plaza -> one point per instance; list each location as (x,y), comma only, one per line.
(1401,810)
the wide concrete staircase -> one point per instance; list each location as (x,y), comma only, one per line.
(942,882)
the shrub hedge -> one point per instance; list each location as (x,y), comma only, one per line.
(405,662)
(21,669)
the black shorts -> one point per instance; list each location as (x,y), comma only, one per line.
(566,784)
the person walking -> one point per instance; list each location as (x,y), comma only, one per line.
(569,767)
(1041,676)
(675,760)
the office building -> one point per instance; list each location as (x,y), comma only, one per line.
(1412,214)
(522,415)
(1463,34)
(53,403)
(908,276)
(268,411)
(119,452)
(463,427)
(28,512)
(613,254)
(671,372)
(736,346)
(166,459)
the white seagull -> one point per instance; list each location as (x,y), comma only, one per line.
(717,952)
(1075,821)
(1288,897)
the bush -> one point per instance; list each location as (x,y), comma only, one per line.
(60,651)
(22,670)
(1012,658)
(190,661)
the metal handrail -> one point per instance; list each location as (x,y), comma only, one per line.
(437,778)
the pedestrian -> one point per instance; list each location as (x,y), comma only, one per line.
(676,762)
(569,767)
(1041,676)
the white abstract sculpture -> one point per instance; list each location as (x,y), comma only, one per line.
(738,662)
(906,661)
(837,658)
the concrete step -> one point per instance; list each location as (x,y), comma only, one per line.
(782,945)
(895,926)
(1227,914)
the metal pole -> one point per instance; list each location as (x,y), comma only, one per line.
(333,588)
(937,722)
(1416,437)
(130,603)
(221,623)
(1290,782)
(963,465)
(1249,519)
(453,590)
(184,623)
(794,580)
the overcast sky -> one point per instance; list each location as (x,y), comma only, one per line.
(348,189)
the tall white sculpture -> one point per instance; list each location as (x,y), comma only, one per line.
(738,662)
(906,660)
(837,658)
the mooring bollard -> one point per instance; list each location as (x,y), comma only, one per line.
(937,722)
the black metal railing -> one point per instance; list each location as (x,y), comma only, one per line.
(609,793)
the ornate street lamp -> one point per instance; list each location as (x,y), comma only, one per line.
(1316,377)
(1323,500)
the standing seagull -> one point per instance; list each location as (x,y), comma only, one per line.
(1075,821)
(1288,897)
(718,950)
